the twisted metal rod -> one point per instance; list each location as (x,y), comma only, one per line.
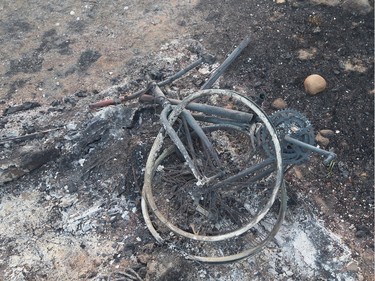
(220,70)
(238,116)
(199,131)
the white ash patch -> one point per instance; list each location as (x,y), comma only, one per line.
(314,250)
(305,251)
(38,248)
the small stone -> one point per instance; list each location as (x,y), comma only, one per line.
(315,84)
(81,94)
(327,133)
(143,258)
(322,140)
(280,1)
(317,30)
(70,100)
(352,266)
(71,126)
(279,103)
(204,70)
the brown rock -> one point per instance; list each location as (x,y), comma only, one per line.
(352,266)
(322,140)
(279,103)
(327,133)
(315,84)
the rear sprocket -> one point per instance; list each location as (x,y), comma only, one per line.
(296,125)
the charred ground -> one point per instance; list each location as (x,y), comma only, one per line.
(67,54)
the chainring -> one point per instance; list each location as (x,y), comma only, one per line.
(296,125)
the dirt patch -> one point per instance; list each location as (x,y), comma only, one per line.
(78,216)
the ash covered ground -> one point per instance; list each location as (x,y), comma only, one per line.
(72,177)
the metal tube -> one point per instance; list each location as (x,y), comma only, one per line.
(180,73)
(244,173)
(188,138)
(239,116)
(176,140)
(159,96)
(167,108)
(216,120)
(199,131)
(220,70)
(330,155)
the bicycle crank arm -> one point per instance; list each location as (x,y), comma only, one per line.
(330,155)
